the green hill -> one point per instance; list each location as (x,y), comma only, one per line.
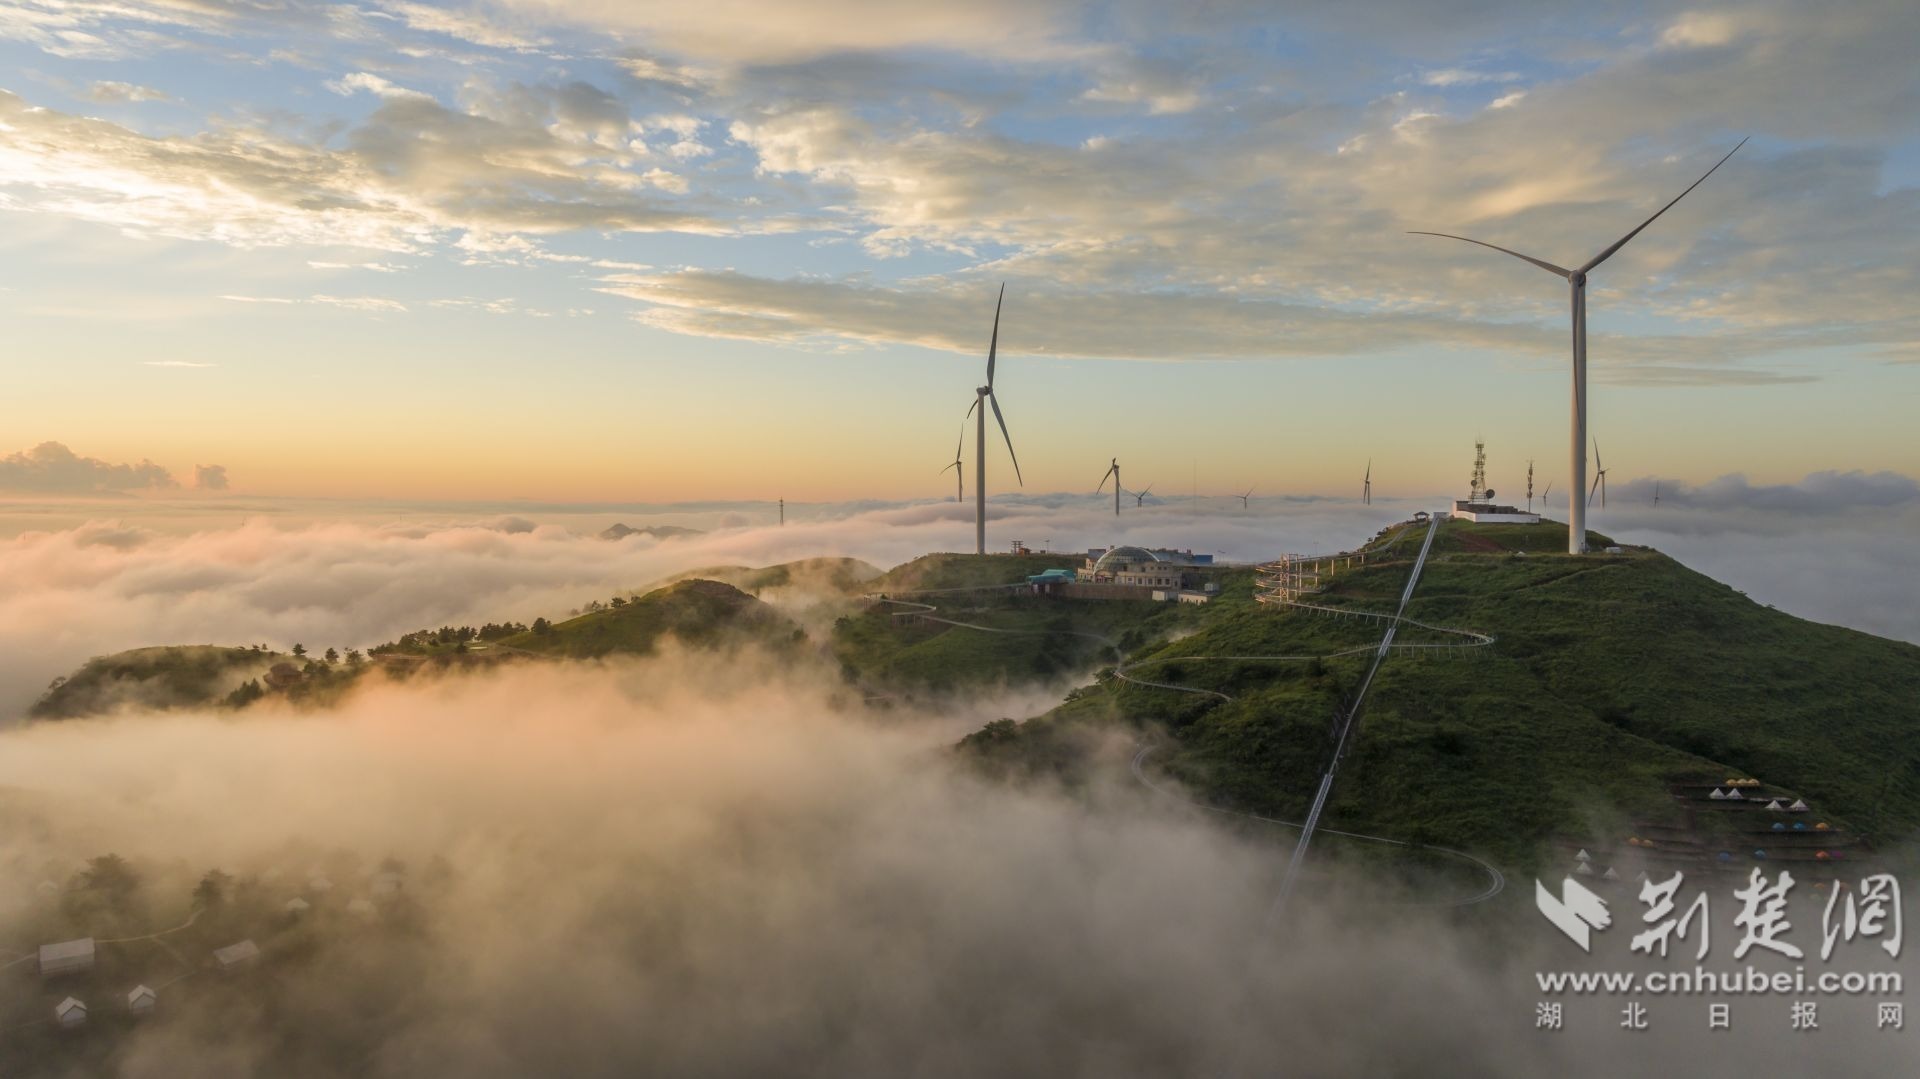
(887,646)
(833,576)
(704,614)
(162,677)
(1612,679)
(938,571)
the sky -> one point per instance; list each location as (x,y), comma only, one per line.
(598,251)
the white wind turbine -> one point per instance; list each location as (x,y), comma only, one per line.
(1140,499)
(1245,497)
(1599,477)
(1577,278)
(1113,470)
(985,393)
(959,469)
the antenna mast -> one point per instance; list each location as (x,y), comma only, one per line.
(1529,485)
(1479,470)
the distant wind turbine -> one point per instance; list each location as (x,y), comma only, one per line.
(1577,278)
(1245,497)
(1599,477)
(1366,486)
(985,394)
(959,469)
(1113,470)
(1141,498)
(1656,492)
(1545,493)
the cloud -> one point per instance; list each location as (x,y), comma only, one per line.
(210,477)
(348,85)
(743,32)
(177,363)
(467,25)
(410,176)
(1118,324)
(1819,494)
(119,93)
(52,468)
(1456,76)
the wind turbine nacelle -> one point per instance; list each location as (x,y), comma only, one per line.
(1577,277)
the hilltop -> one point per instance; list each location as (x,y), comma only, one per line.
(162,677)
(1612,680)
(700,613)
(827,576)
(621,530)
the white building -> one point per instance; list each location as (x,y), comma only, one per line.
(70,1013)
(140,1000)
(298,906)
(66,957)
(1144,568)
(1488,513)
(234,956)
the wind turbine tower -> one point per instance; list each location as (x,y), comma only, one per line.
(1366,485)
(1113,470)
(983,397)
(1577,282)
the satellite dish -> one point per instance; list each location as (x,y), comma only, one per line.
(1489,493)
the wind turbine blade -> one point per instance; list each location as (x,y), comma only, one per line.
(993,347)
(1598,465)
(1593,490)
(1622,241)
(1547,266)
(1001,420)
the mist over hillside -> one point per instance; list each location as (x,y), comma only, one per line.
(109,585)
(699,867)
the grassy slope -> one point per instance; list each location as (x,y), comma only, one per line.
(938,571)
(845,575)
(883,646)
(703,614)
(166,676)
(1612,676)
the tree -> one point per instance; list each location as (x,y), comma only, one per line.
(211,892)
(617,602)
(354,658)
(542,627)
(331,656)
(299,649)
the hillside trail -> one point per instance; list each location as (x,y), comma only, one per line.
(1495,880)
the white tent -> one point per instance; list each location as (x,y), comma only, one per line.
(1798,806)
(66,957)
(140,1000)
(1583,869)
(360,906)
(1583,856)
(319,885)
(1775,805)
(1717,794)
(1610,874)
(71,1012)
(297,905)
(1735,793)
